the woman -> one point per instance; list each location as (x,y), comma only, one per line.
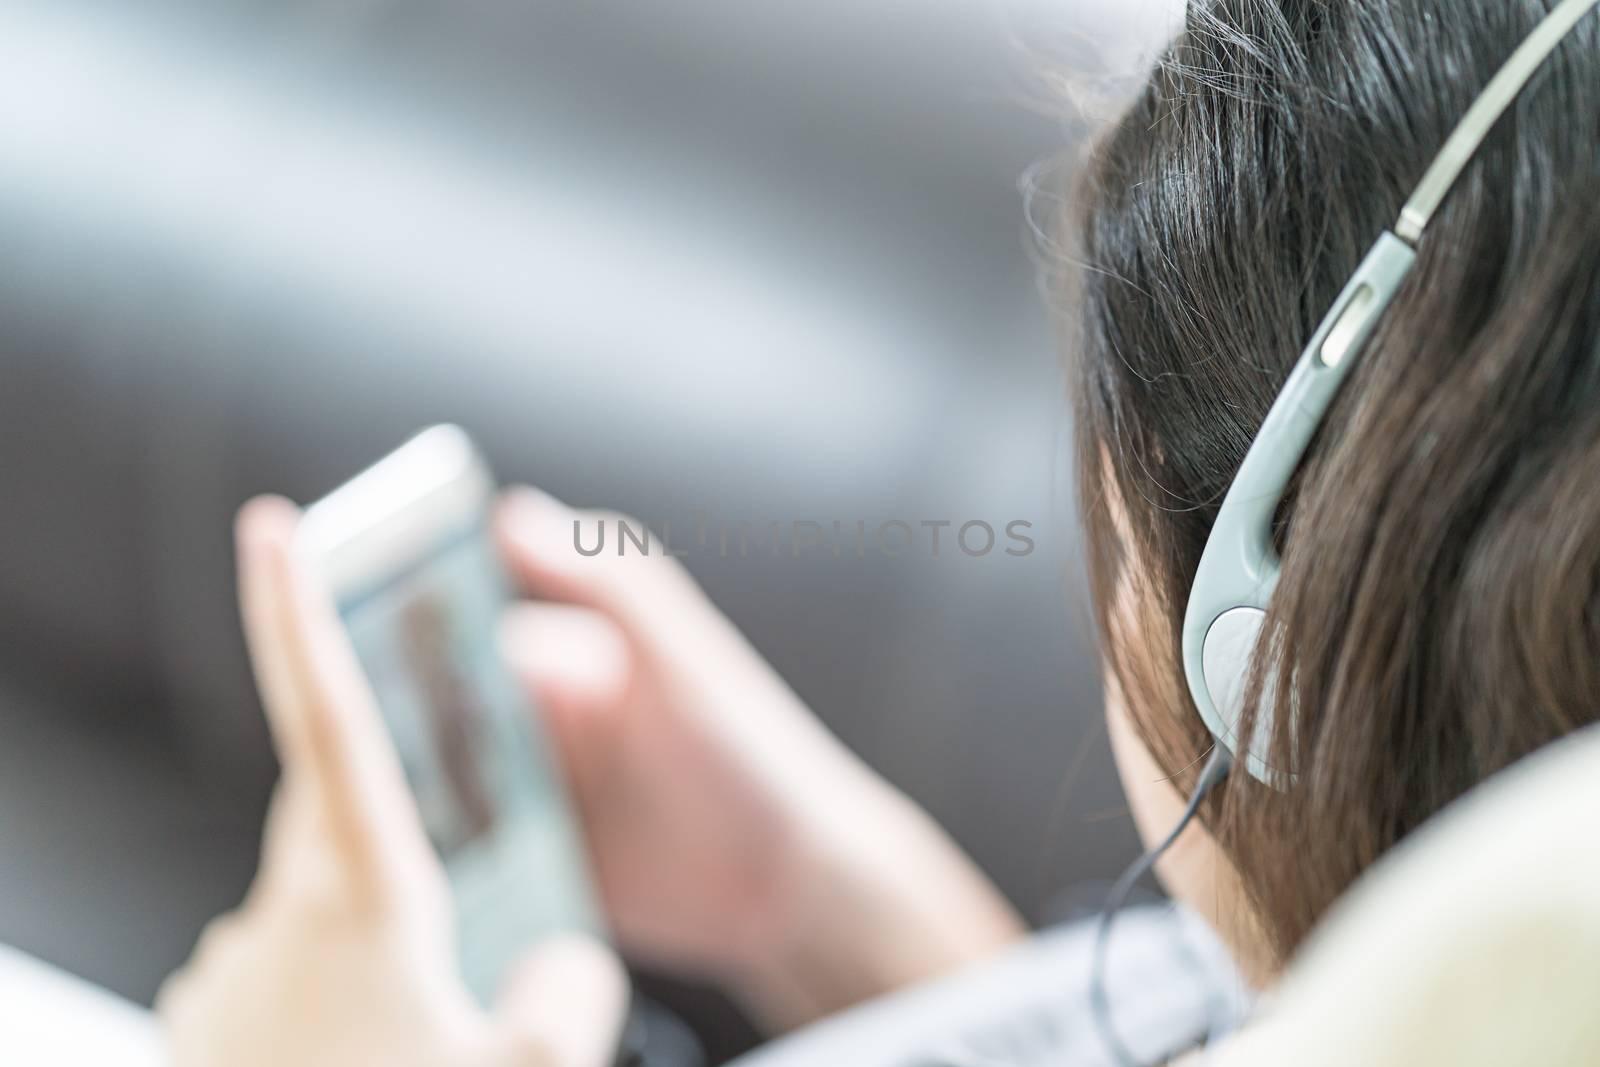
(1439,596)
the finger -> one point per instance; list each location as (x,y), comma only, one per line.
(578,667)
(318,701)
(650,596)
(173,1006)
(288,867)
(564,1004)
(575,660)
(260,612)
(178,990)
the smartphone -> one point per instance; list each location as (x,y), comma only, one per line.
(406,550)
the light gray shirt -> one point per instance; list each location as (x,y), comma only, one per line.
(1170,984)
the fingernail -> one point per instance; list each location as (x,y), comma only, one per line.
(532,516)
(261,520)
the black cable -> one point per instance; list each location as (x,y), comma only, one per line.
(1215,770)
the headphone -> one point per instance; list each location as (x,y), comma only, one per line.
(1239,567)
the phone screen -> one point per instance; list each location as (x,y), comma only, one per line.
(474,753)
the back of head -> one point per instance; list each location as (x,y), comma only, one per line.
(1438,615)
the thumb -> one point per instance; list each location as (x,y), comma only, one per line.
(578,667)
(650,596)
(564,1004)
(575,660)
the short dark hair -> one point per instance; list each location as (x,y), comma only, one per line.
(1439,608)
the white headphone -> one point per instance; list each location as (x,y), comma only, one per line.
(1239,567)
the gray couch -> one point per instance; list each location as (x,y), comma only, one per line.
(770,262)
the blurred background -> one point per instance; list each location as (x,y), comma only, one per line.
(772,261)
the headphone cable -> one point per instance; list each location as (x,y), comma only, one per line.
(1215,770)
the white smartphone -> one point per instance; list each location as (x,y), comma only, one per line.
(406,550)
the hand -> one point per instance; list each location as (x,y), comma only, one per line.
(734,838)
(342,952)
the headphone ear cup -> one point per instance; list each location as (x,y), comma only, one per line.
(1228,653)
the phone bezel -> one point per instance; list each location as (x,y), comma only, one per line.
(378,524)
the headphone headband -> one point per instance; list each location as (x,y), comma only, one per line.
(1239,567)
